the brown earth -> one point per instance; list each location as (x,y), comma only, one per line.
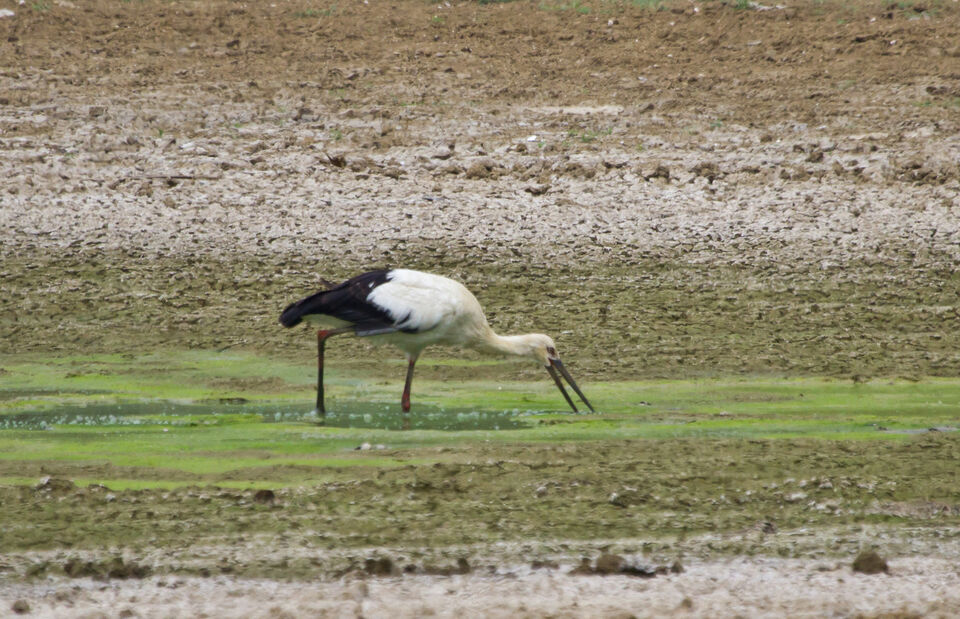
(701,189)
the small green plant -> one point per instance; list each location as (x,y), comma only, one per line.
(436,19)
(590,135)
(40,6)
(654,5)
(743,5)
(587,135)
(327,12)
(159,133)
(573,5)
(716,124)
(336,134)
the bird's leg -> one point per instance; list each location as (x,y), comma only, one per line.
(322,336)
(405,399)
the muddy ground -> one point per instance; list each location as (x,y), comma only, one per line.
(707,189)
(696,190)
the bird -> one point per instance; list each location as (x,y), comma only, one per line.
(412,310)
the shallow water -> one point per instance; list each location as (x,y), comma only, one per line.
(346,415)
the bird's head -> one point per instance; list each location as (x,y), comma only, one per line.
(540,348)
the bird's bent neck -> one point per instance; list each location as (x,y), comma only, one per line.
(505,344)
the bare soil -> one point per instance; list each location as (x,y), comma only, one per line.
(703,189)
(696,190)
(732,588)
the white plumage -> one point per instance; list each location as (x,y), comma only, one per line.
(412,310)
(437,310)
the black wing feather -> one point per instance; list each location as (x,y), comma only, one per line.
(346,301)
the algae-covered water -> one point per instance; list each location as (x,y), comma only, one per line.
(351,415)
(173,450)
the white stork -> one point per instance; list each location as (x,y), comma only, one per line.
(412,310)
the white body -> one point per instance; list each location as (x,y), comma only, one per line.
(439,309)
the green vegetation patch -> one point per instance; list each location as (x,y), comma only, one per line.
(662,460)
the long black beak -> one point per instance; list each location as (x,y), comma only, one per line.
(555,365)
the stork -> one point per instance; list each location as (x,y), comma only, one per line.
(413,310)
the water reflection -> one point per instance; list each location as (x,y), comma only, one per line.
(345,415)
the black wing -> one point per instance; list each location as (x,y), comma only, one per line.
(346,301)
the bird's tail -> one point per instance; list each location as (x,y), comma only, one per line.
(293,315)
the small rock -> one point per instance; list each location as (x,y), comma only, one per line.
(537,190)
(264,496)
(75,568)
(21,607)
(583,568)
(336,160)
(616,499)
(480,169)
(118,568)
(382,566)
(452,169)
(706,169)
(363,447)
(642,571)
(608,564)
(655,170)
(869,562)
(52,485)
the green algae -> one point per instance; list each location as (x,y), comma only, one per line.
(478,494)
(663,460)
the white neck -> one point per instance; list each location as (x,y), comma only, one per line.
(505,344)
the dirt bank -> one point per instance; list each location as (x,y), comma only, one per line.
(703,189)
(734,588)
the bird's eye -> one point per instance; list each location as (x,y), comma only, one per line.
(551,351)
